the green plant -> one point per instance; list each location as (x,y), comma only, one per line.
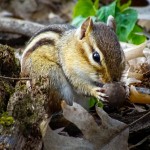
(6,120)
(126,18)
(94,101)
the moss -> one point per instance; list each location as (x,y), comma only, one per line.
(6,89)
(9,65)
(27,105)
(6,120)
(24,112)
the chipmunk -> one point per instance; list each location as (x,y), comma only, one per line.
(76,60)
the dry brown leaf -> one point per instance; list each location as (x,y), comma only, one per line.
(110,135)
(146,52)
(135,75)
(133,51)
(137,97)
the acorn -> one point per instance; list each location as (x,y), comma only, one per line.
(116,94)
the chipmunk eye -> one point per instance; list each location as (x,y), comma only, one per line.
(96,56)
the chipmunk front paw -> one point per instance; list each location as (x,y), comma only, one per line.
(99,93)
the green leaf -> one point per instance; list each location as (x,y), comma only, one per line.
(124,6)
(136,36)
(77,21)
(96,4)
(84,8)
(125,18)
(100,104)
(103,13)
(125,23)
(92,101)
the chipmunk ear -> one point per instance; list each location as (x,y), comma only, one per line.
(111,22)
(85,28)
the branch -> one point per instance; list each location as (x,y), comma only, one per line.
(131,51)
(10,78)
(17,26)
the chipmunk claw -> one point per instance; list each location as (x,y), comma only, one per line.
(103,99)
(100,94)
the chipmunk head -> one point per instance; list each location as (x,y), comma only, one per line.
(100,49)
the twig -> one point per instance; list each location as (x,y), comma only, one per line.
(17,26)
(134,51)
(139,143)
(10,78)
(134,122)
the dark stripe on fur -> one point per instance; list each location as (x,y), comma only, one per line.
(39,43)
(56,28)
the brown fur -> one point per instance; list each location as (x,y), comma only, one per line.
(69,64)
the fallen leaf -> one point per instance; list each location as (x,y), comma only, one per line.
(138,97)
(134,51)
(111,134)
